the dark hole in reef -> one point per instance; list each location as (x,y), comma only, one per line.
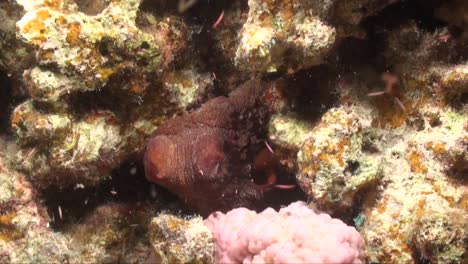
(352,166)
(92,7)
(127,185)
(458,169)
(310,92)
(353,54)
(464,98)
(434,120)
(108,98)
(142,62)
(158,7)
(9,99)
(212,57)
(87,102)
(417,255)
(206,12)
(457,101)
(145,45)
(392,16)
(103,48)
(416,121)
(368,144)
(5,95)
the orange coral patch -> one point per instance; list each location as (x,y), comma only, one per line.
(55,4)
(73,36)
(37,27)
(415,161)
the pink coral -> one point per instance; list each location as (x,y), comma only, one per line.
(295,234)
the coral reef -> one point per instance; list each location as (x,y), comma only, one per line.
(274,29)
(179,240)
(297,34)
(90,49)
(409,155)
(113,232)
(441,237)
(14,54)
(25,236)
(334,166)
(119,119)
(288,131)
(295,234)
(204,157)
(104,59)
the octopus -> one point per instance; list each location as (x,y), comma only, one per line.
(209,157)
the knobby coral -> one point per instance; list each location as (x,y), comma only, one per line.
(295,234)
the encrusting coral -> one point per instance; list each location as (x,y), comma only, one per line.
(181,240)
(414,150)
(271,30)
(113,232)
(98,89)
(25,236)
(297,34)
(334,165)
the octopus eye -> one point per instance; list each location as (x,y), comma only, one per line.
(210,157)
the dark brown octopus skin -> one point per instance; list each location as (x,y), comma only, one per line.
(205,157)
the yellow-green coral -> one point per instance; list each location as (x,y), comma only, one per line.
(278,27)
(333,164)
(91,48)
(441,237)
(287,131)
(110,60)
(179,240)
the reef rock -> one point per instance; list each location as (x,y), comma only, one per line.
(25,236)
(181,240)
(98,89)
(297,34)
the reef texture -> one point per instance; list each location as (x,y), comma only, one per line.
(381,139)
(205,157)
(334,166)
(89,48)
(113,232)
(25,236)
(295,234)
(403,162)
(290,35)
(14,54)
(98,89)
(181,240)
(288,131)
